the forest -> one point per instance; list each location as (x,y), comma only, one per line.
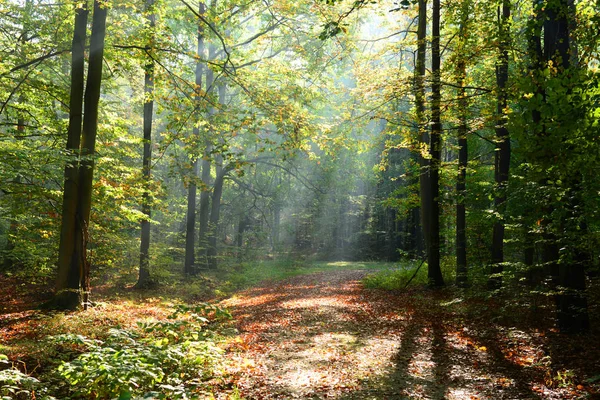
(309,199)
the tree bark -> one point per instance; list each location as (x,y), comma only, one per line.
(67,282)
(144,278)
(276,225)
(189,265)
(206,169)
(461,192)
(502,156)
(215,211)
(88,145)
(423,133)
(463,159)
(434,272)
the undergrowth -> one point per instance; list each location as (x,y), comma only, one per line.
(408,272)
(174,358)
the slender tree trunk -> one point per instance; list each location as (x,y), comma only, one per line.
(461,192)
(67,282)
(206,169)
(239,237)
(144,274)
(216,200)
(10,260)
(502,156)
(214,218)
(189,265)
(433,250)
(425,192)
(463,159)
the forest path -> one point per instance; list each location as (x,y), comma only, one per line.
(323,336)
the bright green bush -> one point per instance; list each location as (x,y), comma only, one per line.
(167,359)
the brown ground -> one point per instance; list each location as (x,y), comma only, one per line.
(324,336)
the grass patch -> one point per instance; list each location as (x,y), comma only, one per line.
(253,273)
(396,278)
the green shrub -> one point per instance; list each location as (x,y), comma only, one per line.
(14,384)
(171,358)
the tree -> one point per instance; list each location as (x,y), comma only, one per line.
(463,154)
(571,301)
(68,281)
(502,152)
(144,278)
(189,267)
(425,190)
(433,249)
(77,277)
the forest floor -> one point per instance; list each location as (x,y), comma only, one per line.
(325,336)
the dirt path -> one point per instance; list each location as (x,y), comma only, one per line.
(323,336)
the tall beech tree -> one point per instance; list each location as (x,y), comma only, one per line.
(144,278)
(77,234)
(423,132)
(433,249)
(502,151)
(68,279)
(190,242)
(463,154)
(205,195)
(215,210)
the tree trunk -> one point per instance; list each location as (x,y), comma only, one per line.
(189,264)
(10,260)
(423,133)
(461,192)
(206,168)
(502,156)
(433,250)
(144,274)
(239,237)
(275,227)
(88,145)
(215,211)
(463,159)
(571,303)
(67,282)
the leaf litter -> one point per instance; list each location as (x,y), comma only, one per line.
(324,336)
